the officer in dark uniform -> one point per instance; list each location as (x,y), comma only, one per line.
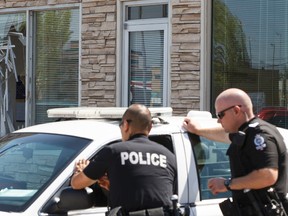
(258,145)
(258,155)
(142,173)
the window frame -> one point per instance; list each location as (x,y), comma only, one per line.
(205,56)
(143,25)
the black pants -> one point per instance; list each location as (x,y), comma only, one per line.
(265,211)
(285,205)
(146,212)
(230,208)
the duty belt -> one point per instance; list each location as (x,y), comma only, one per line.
(145,212)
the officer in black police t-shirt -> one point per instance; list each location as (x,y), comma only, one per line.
(260,146)
(142,173)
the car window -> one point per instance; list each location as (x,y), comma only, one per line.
(212,161)
(279,121)
(164,140)
(29,163)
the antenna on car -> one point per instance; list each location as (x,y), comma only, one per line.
(101,112)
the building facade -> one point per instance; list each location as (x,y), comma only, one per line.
(106,53)
(124,53)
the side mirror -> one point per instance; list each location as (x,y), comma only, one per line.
(70,199)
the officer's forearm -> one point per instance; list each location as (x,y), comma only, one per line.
(257,179)
(80,180)
(216,134)
(213,131)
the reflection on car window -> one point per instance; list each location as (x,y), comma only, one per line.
(28,164)
(212,161)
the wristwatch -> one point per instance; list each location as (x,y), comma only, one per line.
(227,183)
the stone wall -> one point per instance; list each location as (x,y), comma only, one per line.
(33,3)
(98,66)
(185,56)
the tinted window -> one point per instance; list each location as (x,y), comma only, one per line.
(164,140)
(29,163)
(212,161)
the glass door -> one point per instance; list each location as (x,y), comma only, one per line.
(146,65)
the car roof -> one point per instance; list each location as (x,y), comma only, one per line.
(90,129)
(93,122)
(94,128)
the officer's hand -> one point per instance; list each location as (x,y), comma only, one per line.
(80,165)
(216,185)
(191,125)
(104,182)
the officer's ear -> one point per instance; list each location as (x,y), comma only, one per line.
(126,125)
(237,109)
(149,127)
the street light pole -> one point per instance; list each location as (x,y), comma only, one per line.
(273,59)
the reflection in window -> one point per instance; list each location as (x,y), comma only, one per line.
(57,61)
(12,71)
(146,67)
(250,50)
(147,12)
(30,162)
(212,161)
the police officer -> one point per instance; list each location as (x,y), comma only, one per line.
(142,173)
(257,154)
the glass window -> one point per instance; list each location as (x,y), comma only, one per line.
(146,67)
(12,71)
(30,162)
(249,49)
(212,161)
(147,12)
(56,61)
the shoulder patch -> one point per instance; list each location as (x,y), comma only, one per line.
(259,142)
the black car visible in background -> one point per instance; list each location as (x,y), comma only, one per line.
(277,116)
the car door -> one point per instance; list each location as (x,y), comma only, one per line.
(74,203)
(100,209)
(205,159)
(173,142)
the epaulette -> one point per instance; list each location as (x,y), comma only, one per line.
(253,125)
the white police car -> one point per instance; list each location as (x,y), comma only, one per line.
(36,163)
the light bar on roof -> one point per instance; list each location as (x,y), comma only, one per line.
(101,112)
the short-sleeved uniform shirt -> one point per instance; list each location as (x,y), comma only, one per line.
(142,173)
(260,146)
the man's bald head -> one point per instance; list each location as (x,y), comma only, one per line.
(139,117)
(235,96)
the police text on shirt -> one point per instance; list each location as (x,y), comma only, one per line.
(146,159)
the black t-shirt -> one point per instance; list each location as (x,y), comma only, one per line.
(142,173)
(260,146)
